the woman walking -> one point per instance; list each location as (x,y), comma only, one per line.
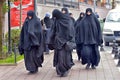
(90,36)
(31,43)
(60,36)
(78,44)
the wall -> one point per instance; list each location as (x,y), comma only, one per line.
(42,9)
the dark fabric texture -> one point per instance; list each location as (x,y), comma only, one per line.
(79,19)
(88,31)
(61,30)
(31,41)
(73,20)
(62,61)
(66,10)
(32,59)
(48,22)
(60,35)
(89,36)
(46,34)
(78,49)
(77,25)
(90,55)
(78,45)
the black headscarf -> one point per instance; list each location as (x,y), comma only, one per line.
(31,33)
(89,10)
(66,10)
(61,29)
(79,19)
(30,13)
(89,30)
(48,22)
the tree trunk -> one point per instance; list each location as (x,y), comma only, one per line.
(1,27)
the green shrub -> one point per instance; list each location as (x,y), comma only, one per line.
(15,34)
(4,48)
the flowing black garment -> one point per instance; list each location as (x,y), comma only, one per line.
(60,35)
(31,42)
(88,33)
(48,23)
(79,19)
(78,46)
(90,55)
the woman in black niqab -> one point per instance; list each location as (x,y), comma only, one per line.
(90,36)
(78,46)
(65,11)
(31,42)
(60,35)
(82,14)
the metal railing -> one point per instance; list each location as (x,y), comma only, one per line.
(9,58)
(64,3)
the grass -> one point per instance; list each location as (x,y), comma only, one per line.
(11,59)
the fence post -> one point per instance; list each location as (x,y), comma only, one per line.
(118,64)
(116,52)
(9,29)
(15,52)
(113,47)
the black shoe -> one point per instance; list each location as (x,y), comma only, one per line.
(33,72)
(88,66)
(93,67)
(72,63)
(64,74)
(79,58)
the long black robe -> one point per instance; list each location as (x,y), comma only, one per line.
(60,35)
(88,33)
(31,43)
(79,19)
(48,22)
(78,46)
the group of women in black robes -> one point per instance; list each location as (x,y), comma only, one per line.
(88,38)
(64,34)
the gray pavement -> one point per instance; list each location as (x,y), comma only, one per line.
(107,70)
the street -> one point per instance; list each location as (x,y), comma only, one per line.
(106,70)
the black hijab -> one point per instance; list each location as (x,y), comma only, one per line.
(62,29)
(48,22)
(66,10)
(89,30)
(79,19)
(31,33)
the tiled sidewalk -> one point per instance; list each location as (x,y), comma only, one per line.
(107,70)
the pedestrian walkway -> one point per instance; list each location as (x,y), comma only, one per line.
(107,70)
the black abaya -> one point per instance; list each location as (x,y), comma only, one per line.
(88,33)
(31,42)
(78,46)
(60,35)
